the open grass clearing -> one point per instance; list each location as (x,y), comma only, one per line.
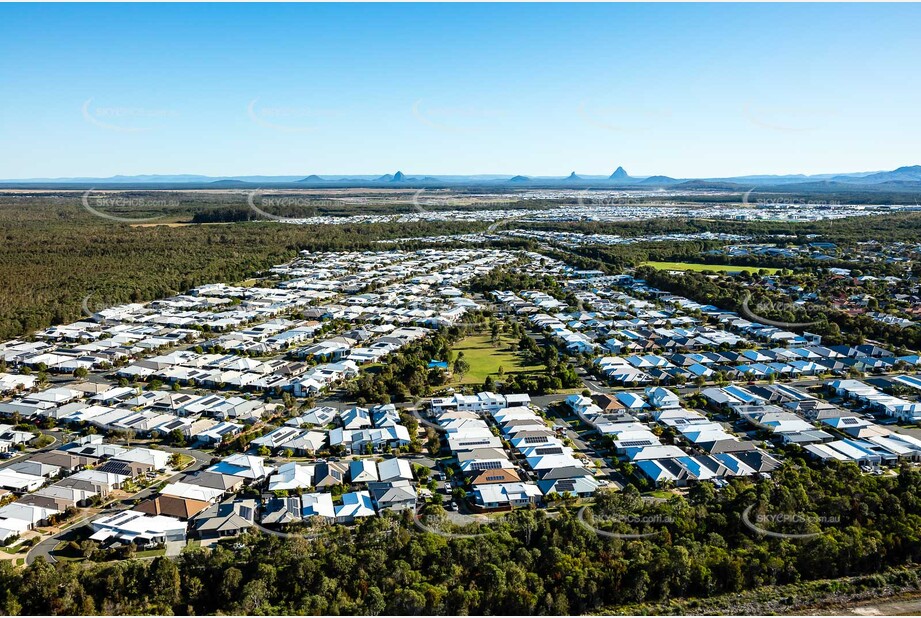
(485,359)
(721,268)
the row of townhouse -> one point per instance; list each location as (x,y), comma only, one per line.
(747,364)
(117,346)
(719,453)
(876,400)
(790,415)
(250,316)
(557,469)
(205,418)
(389,487)
(574,342)
(214,371)
(359,430)
(481,403)
(202,503)
(49,483)
(483,461)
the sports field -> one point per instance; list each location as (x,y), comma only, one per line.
(713,267)
(485,359)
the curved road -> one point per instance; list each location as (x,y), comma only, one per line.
(47,545)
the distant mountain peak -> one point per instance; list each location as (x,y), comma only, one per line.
(573,176)
(311,178)
(906,173)
(398,177)
(519,178)
(619,174)
(658,180)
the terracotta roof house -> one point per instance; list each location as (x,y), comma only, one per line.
(174,506)
(498,475)
(607,403)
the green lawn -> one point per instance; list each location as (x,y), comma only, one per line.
(185,461)
(713,267)
(485,359)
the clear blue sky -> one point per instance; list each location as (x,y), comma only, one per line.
(682,90)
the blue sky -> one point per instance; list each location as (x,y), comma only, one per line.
(683,90)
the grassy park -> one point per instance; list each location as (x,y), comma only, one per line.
(485,358)
(722,268)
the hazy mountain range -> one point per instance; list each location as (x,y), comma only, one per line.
(903,178)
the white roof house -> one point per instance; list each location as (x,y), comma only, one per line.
(29,513)
(19,482)
(394,469)
(192,492)
(133,526)
(158,459)
(242,465)
(10,527)
(506,494)
(291,476)
(363,471)
(354,505)
(318,505)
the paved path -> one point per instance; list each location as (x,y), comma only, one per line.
(47,545)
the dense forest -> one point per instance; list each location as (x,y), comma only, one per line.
(531,564)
